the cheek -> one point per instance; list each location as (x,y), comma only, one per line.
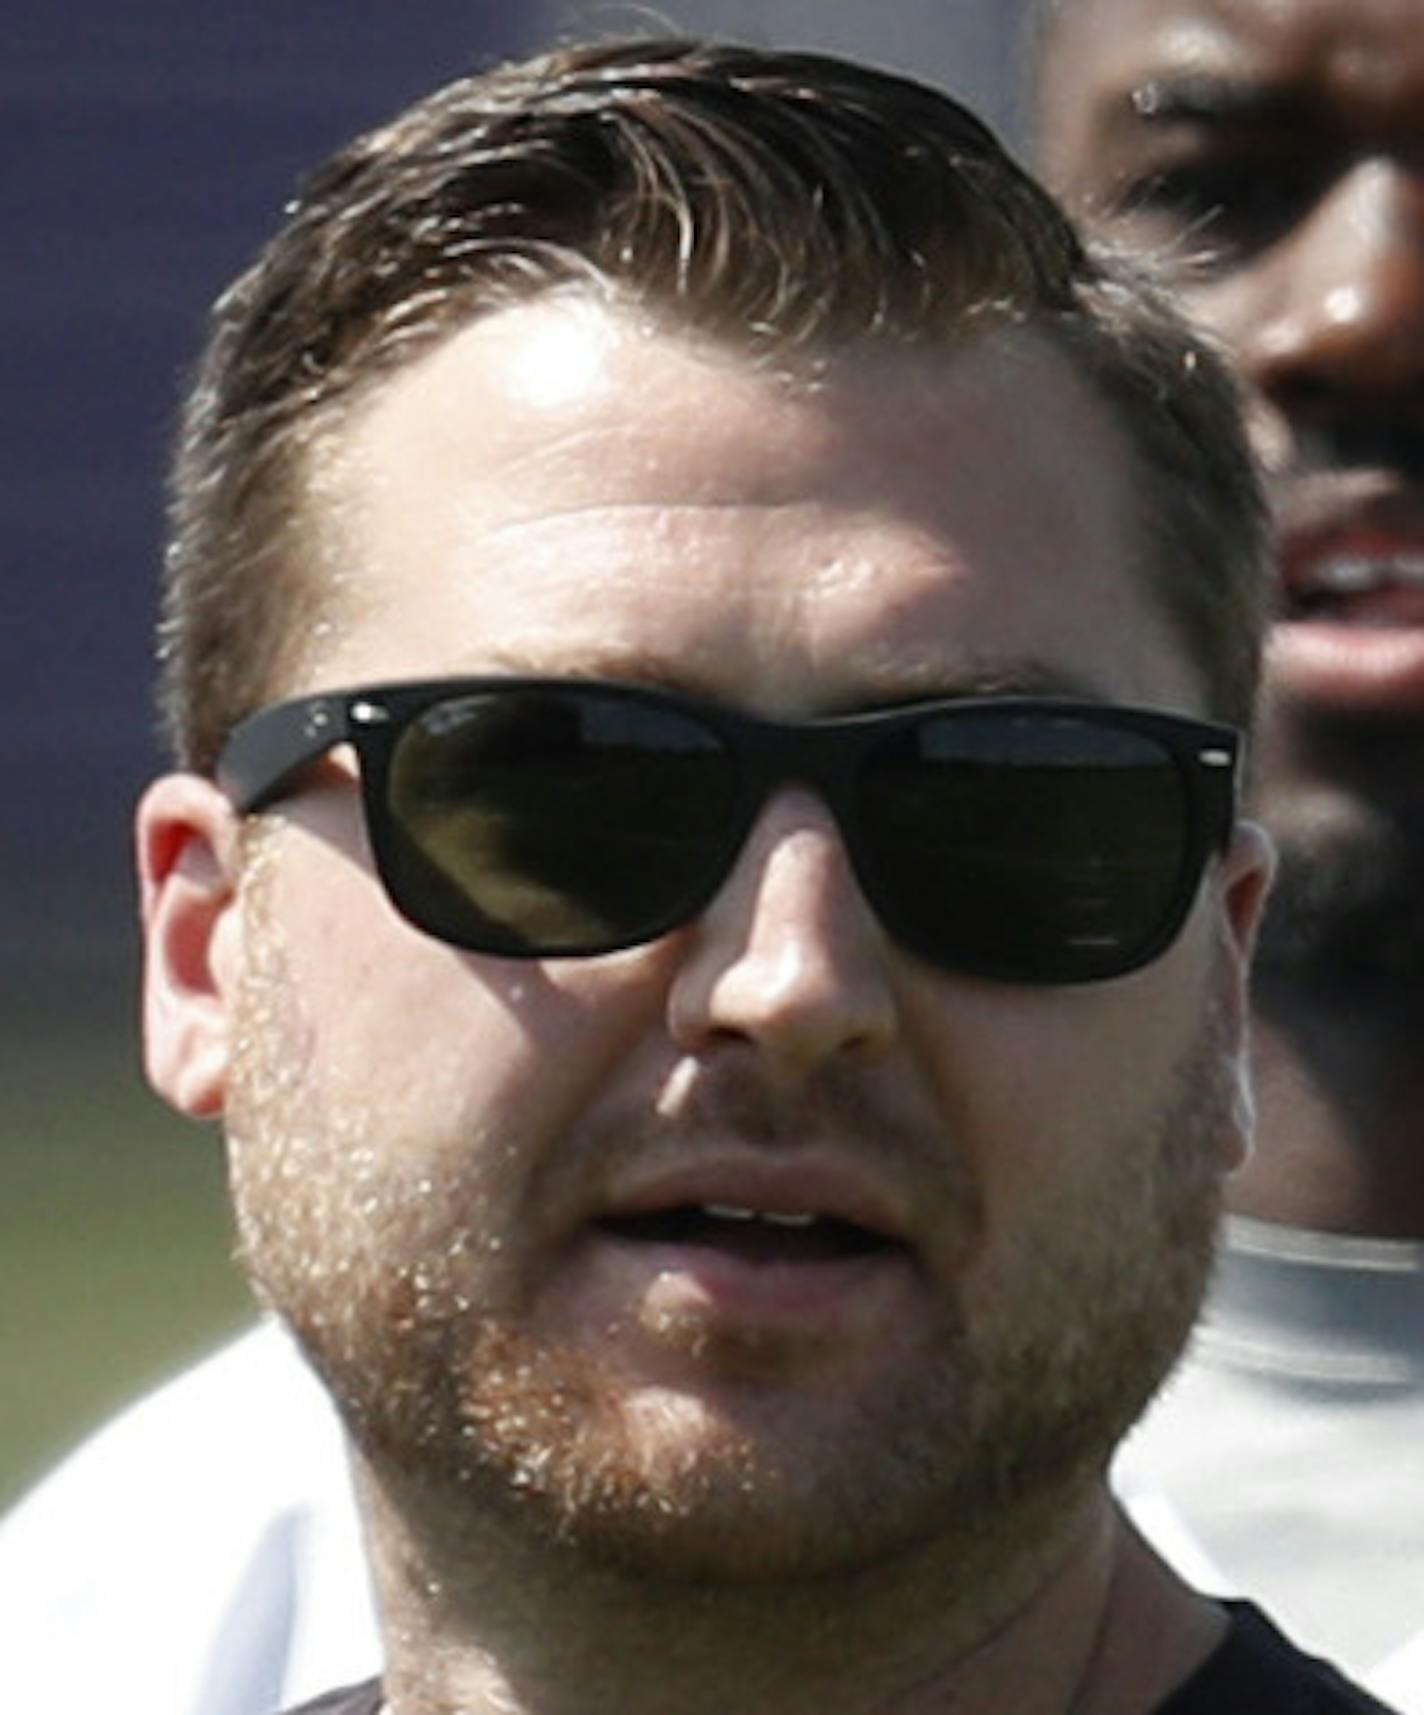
(430,1041)
(1234,309)
(391,1096)
(1039,1086)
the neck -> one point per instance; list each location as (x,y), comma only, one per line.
(1086,1623)
(1340,1093)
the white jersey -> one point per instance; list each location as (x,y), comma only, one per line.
(200,1555)
(1285,1460)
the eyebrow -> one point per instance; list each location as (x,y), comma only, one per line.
(1196,98)
(916,682)
(1022,678)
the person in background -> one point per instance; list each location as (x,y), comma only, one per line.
(1270,154)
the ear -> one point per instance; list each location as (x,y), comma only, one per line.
(1247,869)
(187,851)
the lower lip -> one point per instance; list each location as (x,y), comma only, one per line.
(1364,667)
(835,1296)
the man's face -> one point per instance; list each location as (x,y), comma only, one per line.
(1273,152)
(505,1204)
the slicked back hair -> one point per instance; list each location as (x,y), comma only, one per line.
(781,203)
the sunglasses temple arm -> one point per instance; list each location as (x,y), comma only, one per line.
(268,751)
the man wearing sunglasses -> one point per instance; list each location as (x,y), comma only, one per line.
(705,640)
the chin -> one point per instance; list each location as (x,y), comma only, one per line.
(750,1482)
(756,1484)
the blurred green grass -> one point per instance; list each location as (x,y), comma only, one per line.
(114,1240)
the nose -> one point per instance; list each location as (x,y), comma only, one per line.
(1346,312)
(788,958)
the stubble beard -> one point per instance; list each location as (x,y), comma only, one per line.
(1026,1383)
(1341,794)
(1345,917)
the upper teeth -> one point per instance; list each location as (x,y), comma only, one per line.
(1354,574)
(777,1217)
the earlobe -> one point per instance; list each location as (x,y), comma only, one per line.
(187,852)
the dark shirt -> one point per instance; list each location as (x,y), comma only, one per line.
(354,1700)
(1252,1671)
(1254,1668)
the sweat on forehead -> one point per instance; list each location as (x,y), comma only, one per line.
(599,446)
(772,201)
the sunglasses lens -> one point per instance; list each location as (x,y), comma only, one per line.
(1034,847)
(554,821)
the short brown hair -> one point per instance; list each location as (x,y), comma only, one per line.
(778,201)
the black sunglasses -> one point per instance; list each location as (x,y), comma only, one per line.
(1022,839)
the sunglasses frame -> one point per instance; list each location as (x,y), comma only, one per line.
(267,753)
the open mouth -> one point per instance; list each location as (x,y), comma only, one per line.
(1369,590)
(1348,632)
(803,1248)
(764,1236)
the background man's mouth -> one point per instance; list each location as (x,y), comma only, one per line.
(1359,589)
(1349,628)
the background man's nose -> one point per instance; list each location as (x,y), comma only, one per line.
(1348,315)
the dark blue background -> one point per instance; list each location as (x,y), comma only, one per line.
(147,149)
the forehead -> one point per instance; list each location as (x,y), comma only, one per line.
(561,489)
(1359,60)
